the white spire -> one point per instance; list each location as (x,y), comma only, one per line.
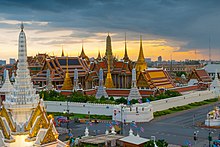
(76,80)
(113,130)
(86,132)
(134,92)
(131,132)
(7,86)
(23,93)
(101,89)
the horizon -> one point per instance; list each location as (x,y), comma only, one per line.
(164,33)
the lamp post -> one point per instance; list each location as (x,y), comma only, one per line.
(209,137)
(68,112)
(89,115)
(122,126)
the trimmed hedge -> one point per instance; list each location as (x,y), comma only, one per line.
(185,107)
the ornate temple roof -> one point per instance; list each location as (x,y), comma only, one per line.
(200,75)
(155,78)
(57,66)
(83,55)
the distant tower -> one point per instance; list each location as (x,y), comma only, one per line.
(108,80)
(108,52)
(101,90)
(159,59)
(67,84)
(76,80)
(126,58)
(141,65)
(134,92)
(49,83)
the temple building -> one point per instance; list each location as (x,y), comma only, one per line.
(58,69)
(120,70)
(150,78)
(22,114)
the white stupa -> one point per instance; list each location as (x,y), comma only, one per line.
(7,86)
(134,92)
(76,80)
(101,89)
(23,97)
(215,84)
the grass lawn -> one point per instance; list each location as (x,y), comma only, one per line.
(185,107)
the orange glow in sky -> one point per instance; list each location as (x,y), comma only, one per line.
(51,42)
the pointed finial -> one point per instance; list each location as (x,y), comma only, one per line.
(108,33)
(62,52)
(82,44)
(22,26)
(141,40)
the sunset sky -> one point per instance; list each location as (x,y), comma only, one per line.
(177,27)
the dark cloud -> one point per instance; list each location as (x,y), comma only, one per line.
(190,21)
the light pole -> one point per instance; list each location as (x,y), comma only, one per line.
(209,137)
(89,115)
(122,126)
(196,136)
(68,112)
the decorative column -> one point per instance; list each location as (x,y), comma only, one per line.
(101,89)
(134,92)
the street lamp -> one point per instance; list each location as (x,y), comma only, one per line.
(122,124)
(209,137)
(68,112)
(196,136)
(89,115)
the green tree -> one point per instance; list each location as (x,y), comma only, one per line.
(149,144)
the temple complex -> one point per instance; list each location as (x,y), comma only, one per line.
(23,114)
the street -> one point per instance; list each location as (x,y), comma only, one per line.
(176,128)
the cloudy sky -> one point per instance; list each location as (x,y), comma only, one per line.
(177,27)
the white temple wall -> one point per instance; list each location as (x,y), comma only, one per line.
(107,109)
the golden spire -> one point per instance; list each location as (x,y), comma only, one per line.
(108,52)
(62,52)
(67,84)
(83,55)
(126,58)
(99,56)
(141,65)
(108,81)
(141,53)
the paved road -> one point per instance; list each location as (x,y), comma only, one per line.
(176,128)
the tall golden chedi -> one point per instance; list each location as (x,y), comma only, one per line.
(67,84)
(108,54)
(108,81)
(141,65)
